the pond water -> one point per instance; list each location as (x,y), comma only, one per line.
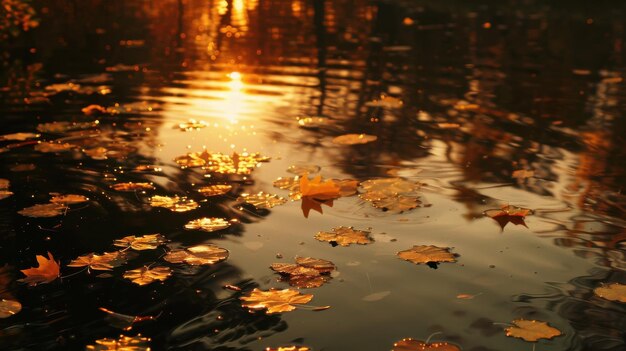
(459,95)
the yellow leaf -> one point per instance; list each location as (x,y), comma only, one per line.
(176,204)
(354,139)
(275,301)
(44,210)
(208,224)
(130,186)
(145,242)
(344,236)
(123,343)
(69,199)
(146,275)
(215,189)
(317,189)
(427,253)
(262,200)
(198,255)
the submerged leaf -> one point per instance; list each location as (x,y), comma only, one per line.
(274,300)
(145,242)
(46,271)
(176,204)
(427,253)
(262,200)
(208,224)
(345,236)
(146,275)
(354,139)
(613,292)
(44,210)
(9,308)
(531,330)
(215,189)
(418,345)
(123,343)
(198,255)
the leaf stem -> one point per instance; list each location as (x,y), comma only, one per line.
(75,273)
(430,336)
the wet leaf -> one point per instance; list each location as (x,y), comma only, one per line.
(47,146)
(448,125)
(531,330)
(288,348)
(19,136)
(308,272)
(344,236)
(104,262)
(427,253)
(69,199)
(9,308)
(130,186)
(176,204)
(262,200)
(192,124)
(97,153)
(123,343)
(303,169)
(289,183)
(208,224)
(215,189)
(318,189)
(274,300)
(385,101)
(139,243)
(124,321)
(391,194)
(354,139)
(46,271)
(44,210)
(146,275)
(418,345)
(508,213)
(198,255)
(236,163)
(396,203)
(62,127)
(613,292)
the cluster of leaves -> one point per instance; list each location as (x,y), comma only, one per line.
(57,206)
(236,163)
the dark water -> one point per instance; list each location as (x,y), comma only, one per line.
(534,85)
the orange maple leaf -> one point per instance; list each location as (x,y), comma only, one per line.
(319,190)
(47,271)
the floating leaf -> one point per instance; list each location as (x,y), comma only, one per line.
(69,199)
(93,109)
(377,296)
(9,308)
(613,292)
(23,167)
(303,169)
(104,262)
(124,343)
(306,273)
(508,213)
(198,255)
(176,204)
(130,186)
(208,224)
(288,183)
(344,236)
(274,300)
(385,101)
(46,271)
(236,163)
(448,125)
(354,139)
(124,321)
(146,275)
(391,194)
(215,189)
(418,345)
(288,348)
(19,136)
(44,210)
(317,189)
(427,254)
(62,127)
(192,124)
(262,200)
(145,242)
(396,203)
(47,146)
(531,330)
